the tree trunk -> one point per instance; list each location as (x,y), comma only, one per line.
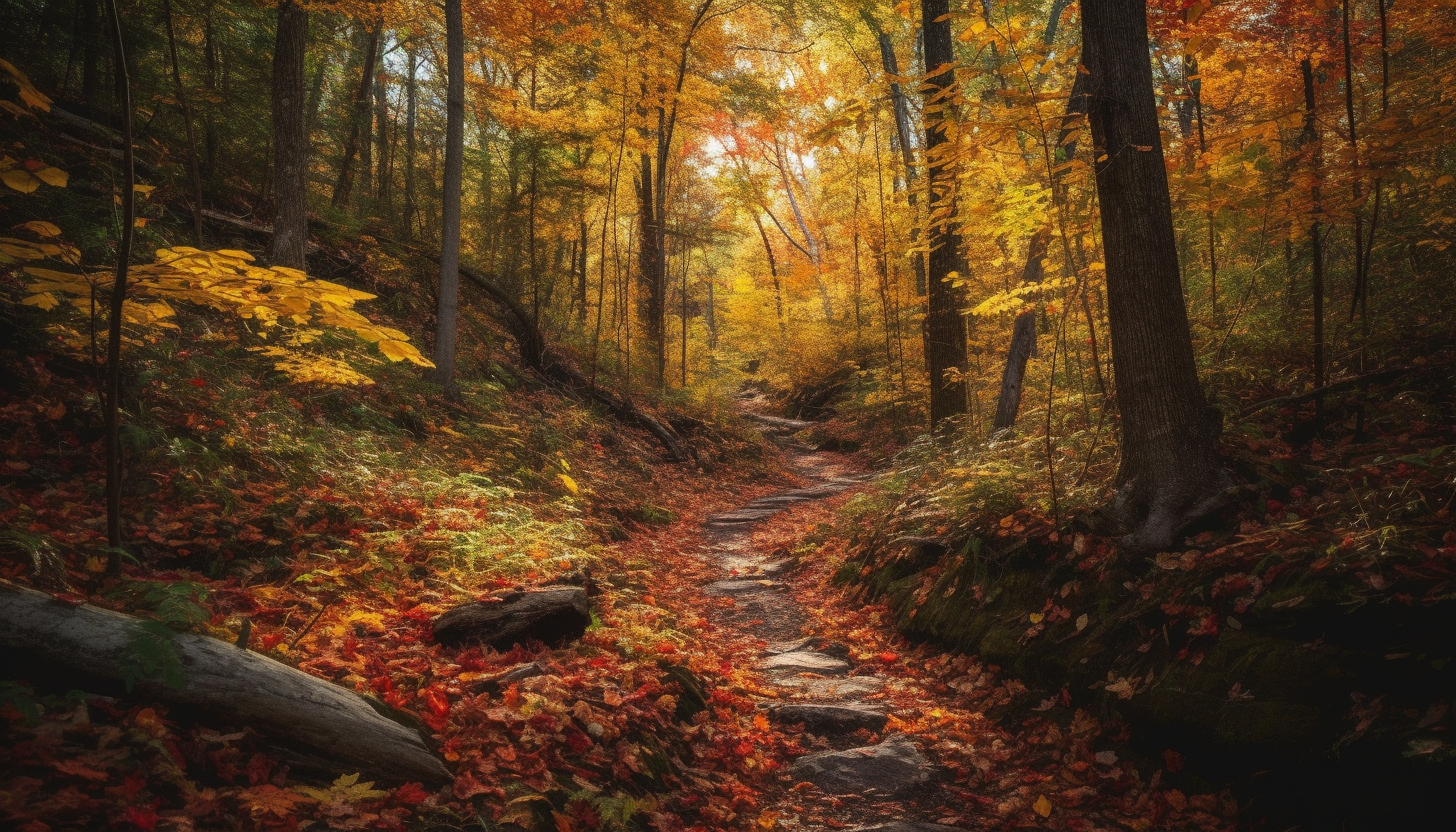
(1310,135)
(381,188)
(112,414)
(1023,338)
(334,727)
(945,328)
(773,272)
(1023,332)
(411,109)
(448,303)
(290,140)
(653,268)
(358,121)
(187,121)
(1170,473)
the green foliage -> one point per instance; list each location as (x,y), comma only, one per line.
(151,654)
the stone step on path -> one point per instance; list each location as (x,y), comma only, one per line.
(828,718)
(813,674)
(892,767)
(765,507)
(806,661)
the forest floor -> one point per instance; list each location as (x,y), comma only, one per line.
(668,714)
(872,730)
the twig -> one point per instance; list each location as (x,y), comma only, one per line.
(309,626)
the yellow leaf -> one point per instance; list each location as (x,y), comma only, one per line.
(41,228)
(45,300)
(1445,180)
(1036,617)
(140,222)
(143,189)
(570,483)
(403,351)
(54,177)
(20,180)
(229,252)
(1042,807)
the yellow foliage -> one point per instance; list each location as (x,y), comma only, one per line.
(280,300)
(305,368)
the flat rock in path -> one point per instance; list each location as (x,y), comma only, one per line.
(805,660)
(891,767)
(740,586)
(791,646)
(849,688)
(742,515)
(829,719)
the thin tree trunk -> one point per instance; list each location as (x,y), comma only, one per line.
(1023,338)
(1023,331)
(290,140)
(1169,473)
(773,271)
(358,121)
(187,122)
(944,327)
(382,189)
(411,109)
(449,297)
(1310,135)
(112,416)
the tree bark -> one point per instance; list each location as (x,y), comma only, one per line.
(1170,474)
(112,415)
(187,122)
(773,272)
(333,726)
(358,122)
(1310,136)
(1023,338)
(411,109)
(448,303)
(290,140)
(1023,332)
(944,327)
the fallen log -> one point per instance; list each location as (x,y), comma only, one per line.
(553,615)
(332,727)
(1376,377)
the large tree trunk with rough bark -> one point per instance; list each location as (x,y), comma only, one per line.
(945,327)
(1170,473)
(290,139)
(322,725)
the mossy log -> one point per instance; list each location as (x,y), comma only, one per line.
(330,726)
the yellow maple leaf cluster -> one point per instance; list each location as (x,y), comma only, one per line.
(277,299)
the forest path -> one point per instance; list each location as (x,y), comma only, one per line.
(871,778)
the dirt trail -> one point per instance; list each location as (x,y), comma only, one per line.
(817,685)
